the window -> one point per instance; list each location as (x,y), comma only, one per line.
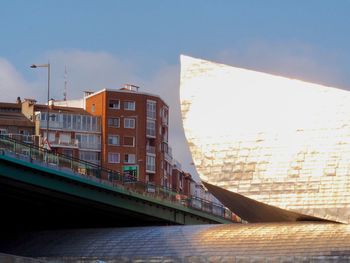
(98,126)
(89,156)
(67,121)
(114,104)
(150,163)
(129,158)
(129,123)
(165,135)
(77,122)
(84,123)
(129,105)
(24,132)
(93,108)
(88,123)
(151,109)
(151,128)
(52,136)
(93,124)
(54,117)
(129,141)
(43,116)
(113,139)
(113,122)
(165,115)
(65,138)
(113,157)
(88,141)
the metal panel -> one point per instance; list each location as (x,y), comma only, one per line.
(280,141)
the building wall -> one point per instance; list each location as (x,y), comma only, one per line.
(72,131)
(14,123)
(98,104)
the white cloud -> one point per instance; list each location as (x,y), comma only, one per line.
(88,71)
(12,84)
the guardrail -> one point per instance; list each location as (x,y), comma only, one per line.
(43,157)
(20,137)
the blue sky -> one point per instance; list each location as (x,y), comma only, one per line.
(107,43)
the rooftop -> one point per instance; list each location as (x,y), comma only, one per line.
(10,114)
(125,90)
(61,109)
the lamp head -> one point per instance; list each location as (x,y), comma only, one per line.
(33,66)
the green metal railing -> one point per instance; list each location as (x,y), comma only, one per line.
(81,168)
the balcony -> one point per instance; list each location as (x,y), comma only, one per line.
(151,133)
(150,168)
(168,157)
(165,138)
(164,121)
(20,137)
(168,154)
(150,149)
(71,122)
(72,143)
(89,146)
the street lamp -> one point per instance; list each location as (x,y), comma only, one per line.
(48,95)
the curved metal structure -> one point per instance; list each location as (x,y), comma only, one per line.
(272,242)
(279,141)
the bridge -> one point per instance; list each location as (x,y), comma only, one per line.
(44,190)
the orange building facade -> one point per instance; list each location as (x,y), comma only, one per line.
(134,133)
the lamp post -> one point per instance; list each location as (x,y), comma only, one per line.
(48,95)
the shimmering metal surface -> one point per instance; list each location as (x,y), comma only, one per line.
(280,141)
(219,243)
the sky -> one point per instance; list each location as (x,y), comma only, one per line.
(106,43)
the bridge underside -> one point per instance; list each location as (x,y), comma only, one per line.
(34,197)
(25,207)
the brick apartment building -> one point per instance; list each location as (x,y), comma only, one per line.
(134,133)
(124,130)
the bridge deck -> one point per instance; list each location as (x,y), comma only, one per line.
(25,176)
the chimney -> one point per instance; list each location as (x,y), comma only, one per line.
(51,103)
(87,93)
(29,101)
(28,108)
(131,87)
(18,100)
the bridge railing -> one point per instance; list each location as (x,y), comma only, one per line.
(97,173)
